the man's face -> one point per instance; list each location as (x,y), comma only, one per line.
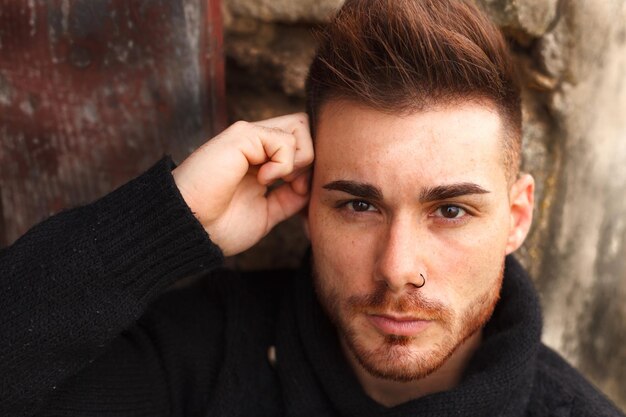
(395,198)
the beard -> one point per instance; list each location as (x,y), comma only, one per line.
(403,358)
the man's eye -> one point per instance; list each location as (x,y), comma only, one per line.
(360,206)
(450,212)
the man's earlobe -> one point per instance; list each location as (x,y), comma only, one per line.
(522,201)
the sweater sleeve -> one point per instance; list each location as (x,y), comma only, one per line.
(73,287)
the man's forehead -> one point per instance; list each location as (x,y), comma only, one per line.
(471,124)
(422,150)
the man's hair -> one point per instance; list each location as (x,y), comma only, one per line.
(410,55)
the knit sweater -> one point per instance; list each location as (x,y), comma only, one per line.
(88,329)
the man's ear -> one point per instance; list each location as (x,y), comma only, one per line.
(522,201)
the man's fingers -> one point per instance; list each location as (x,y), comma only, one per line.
(280,148)
(287,122)
(284,202)
(297,125)
(301,183)
(297,173)
(304,148)
(271,149)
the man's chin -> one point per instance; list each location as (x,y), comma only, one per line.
(398,359)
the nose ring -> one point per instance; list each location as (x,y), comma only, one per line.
(423,282)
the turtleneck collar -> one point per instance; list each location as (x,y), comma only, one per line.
(317,379)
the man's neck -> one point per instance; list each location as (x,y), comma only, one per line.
(391,393)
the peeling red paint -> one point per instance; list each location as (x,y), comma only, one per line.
(93,92)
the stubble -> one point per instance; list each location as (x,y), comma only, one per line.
(395,357)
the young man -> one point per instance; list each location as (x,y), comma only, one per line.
(407,303)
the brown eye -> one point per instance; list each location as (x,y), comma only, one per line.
(451,212)
(360,206)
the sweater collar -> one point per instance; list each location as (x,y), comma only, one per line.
(317,380)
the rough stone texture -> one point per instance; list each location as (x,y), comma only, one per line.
(533,17)
(582,262)
(572,55)
(285,10)
(274,53)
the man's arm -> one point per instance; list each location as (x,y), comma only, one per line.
(76,281)
(72,285)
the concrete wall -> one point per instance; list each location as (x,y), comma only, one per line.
(573,57)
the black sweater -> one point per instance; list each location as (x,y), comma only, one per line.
(82,333)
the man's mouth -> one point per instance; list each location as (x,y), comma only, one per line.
(398,325)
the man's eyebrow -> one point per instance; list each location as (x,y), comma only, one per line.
(358,189)
(444,192)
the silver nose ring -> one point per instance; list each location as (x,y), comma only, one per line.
(423,282)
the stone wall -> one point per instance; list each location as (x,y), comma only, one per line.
(572,55)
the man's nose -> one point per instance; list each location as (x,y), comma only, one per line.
(400,263)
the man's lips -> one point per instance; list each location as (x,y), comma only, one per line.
(398,325)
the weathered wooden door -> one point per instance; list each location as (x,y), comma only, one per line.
(92,92)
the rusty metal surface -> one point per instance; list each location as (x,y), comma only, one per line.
(92,92)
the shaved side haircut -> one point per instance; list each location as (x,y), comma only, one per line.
(406,56)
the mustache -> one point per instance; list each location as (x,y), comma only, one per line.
(412,302)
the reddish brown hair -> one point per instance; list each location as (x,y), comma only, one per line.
(409,55)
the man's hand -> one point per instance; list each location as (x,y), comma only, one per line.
(225,181)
